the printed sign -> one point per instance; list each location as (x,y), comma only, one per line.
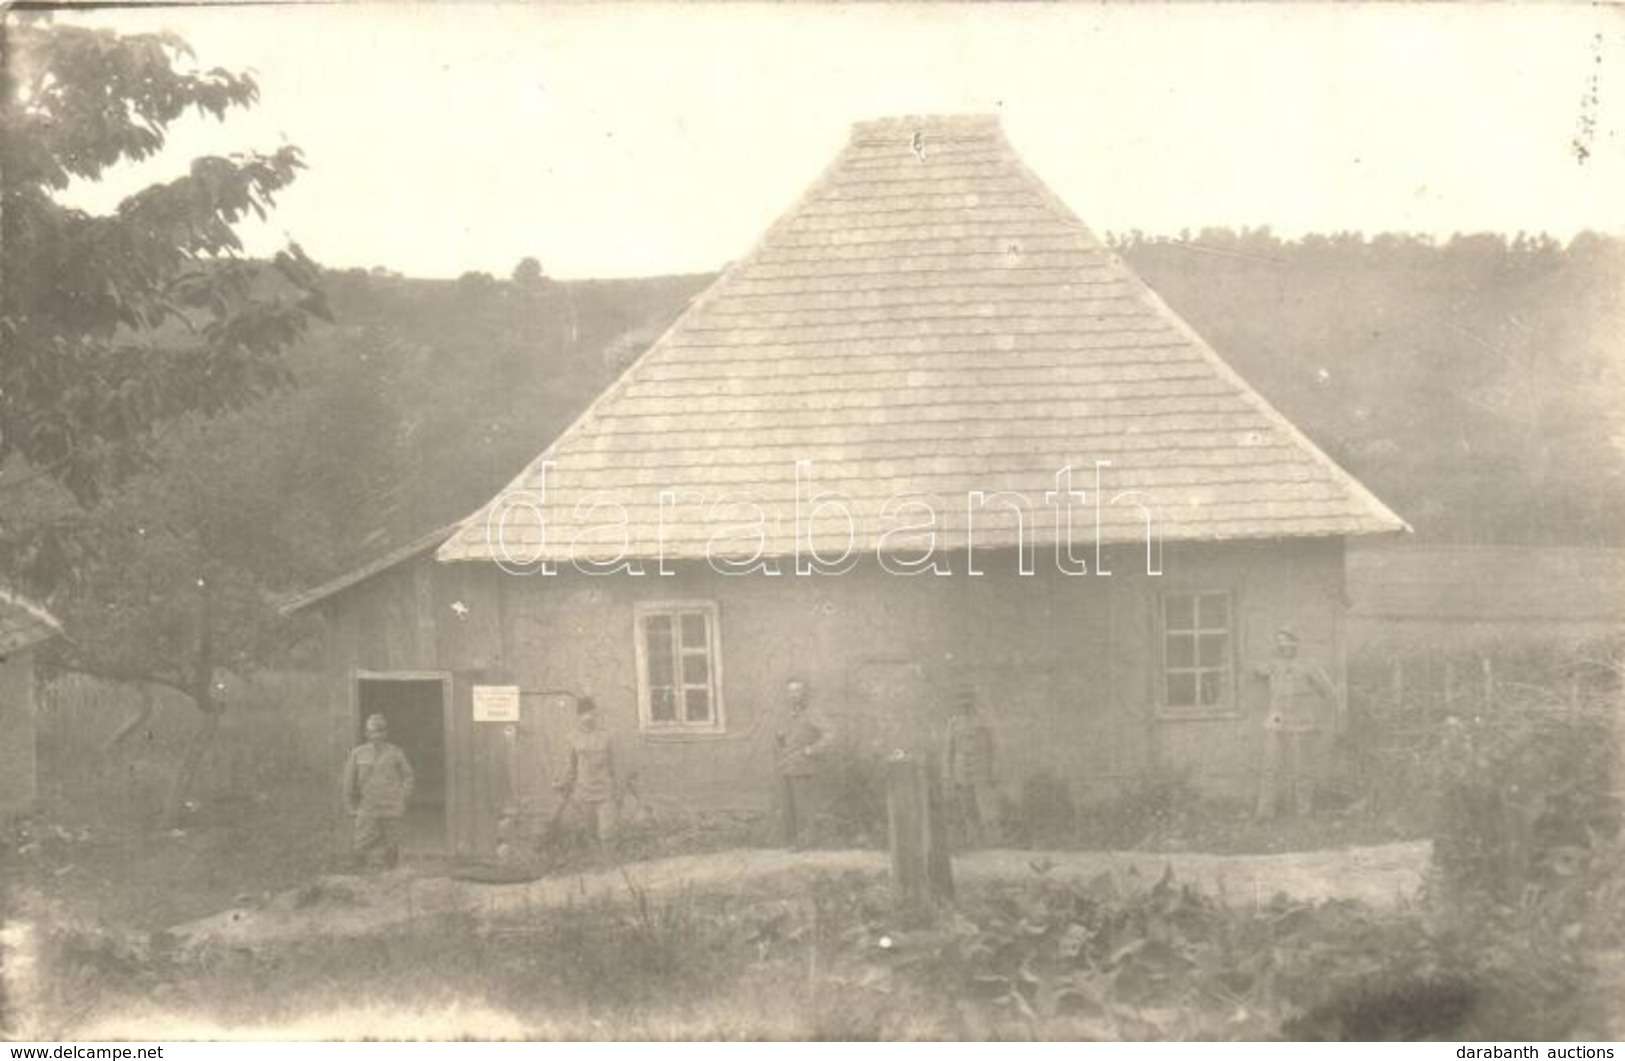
(496,703)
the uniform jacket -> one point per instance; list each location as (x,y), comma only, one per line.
(1299,693)
(378,781)
(590,774)
(970,751)
(801,740)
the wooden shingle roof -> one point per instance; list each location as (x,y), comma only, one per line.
(23,623)
(930,320)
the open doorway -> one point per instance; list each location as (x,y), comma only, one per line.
(416,706)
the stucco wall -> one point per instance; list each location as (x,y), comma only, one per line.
(1299,585)
(1066,667)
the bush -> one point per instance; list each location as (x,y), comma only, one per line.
(1089,960)
(1524,805)
(1402,737)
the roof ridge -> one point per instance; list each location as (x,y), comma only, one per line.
(891,122)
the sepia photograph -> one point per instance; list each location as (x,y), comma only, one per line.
(902,521)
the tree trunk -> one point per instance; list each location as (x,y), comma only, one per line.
(202,683)
(186,773)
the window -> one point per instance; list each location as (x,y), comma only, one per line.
(679,667)
(1197,674)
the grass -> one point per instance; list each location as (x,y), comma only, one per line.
(835,959)
(265,814)
(1171,817)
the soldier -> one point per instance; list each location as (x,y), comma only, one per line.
(801,742)
(1298,693)
(589,779)
(968,766)
(378,783)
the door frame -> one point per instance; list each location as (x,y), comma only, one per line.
(360,674)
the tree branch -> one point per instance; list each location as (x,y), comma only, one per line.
(130,675)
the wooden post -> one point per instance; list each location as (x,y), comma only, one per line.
(919,852)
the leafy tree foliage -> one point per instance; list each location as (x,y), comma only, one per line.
(120,335)
(174,587)
(528,273)
(112,324)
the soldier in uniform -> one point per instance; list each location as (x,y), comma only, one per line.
(378,783)
(1300,692)
(801,742)
(589,779)
(968,766)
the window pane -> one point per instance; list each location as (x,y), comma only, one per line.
(657,643)
(663,704)
(1181,650)
(693,630)
(1179,611)
(1181,690)
(1212,687)
(1213,649)
(679,672)
(698,703)
(1215,611)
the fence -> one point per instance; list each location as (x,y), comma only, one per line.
(1411,710)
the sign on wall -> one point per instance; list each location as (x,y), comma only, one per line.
(496,703)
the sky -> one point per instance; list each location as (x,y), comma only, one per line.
(630,139)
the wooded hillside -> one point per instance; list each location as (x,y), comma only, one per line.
(1475,385)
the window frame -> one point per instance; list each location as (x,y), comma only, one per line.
(1229,704)
(675,609)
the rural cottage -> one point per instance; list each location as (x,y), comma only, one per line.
(929,432)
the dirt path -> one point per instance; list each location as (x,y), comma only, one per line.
(341,906)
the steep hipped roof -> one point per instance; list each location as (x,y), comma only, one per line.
(928,319)
(23,623)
